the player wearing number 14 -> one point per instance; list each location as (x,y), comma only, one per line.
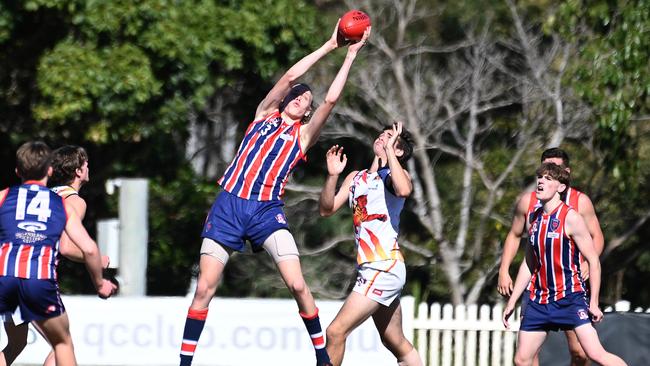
(32,218)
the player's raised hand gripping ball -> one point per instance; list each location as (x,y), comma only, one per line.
(353,24)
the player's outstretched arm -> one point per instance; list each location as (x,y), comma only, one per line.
(282,86)
(330,200)
(311,131)
(511,244)
(576,228)
(75,230)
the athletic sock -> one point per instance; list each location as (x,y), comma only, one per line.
(312,323)
(193,328)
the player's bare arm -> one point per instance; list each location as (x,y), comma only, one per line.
(67,248)
(511,244)
(399,178)
(75,230)
(282,86)
(522,280)
(330,200)
(576,228)
(311,131)
(588,213)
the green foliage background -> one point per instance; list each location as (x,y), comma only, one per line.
(122,78)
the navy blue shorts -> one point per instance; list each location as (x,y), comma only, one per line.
(565,314)
(37,299)
(233,220)
(525,299)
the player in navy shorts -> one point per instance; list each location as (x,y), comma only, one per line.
(32,219)
(70,172)
(250,207)
(527,202)
(558,242)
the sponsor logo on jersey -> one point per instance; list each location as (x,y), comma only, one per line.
(30,238)
(51,309)
(286,137)
(377,292)
(280,219)
(553,235)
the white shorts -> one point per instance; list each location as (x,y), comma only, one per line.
(381,281)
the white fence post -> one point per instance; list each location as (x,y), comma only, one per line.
(423,342)
(470,349)
(459,336)
(434,340)
(447,317)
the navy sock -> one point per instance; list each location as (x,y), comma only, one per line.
(312,323)
(193,328)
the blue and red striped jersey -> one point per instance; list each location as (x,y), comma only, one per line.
(268,153)
(32,218)
(556,255)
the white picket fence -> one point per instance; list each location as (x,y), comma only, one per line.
(469,335)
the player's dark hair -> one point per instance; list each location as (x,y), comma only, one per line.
(554,171)
(65,162)
(556,152)
(405,143)
(33,159)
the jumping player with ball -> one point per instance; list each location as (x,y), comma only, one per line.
(250,207)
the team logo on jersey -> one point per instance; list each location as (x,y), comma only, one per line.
(51,309)
(280,219)
(555,223)
(582,314)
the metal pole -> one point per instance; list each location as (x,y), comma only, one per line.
(134,236)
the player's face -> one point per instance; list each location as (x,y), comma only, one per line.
(299,106)
(547,187)
(84,172)
(381,141)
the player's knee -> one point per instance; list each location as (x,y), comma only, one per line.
(298,287)
(204,290)
(521,361)
(335,334)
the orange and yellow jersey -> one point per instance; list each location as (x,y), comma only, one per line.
(65,191)
(376,211)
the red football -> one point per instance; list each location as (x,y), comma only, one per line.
(353,24)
